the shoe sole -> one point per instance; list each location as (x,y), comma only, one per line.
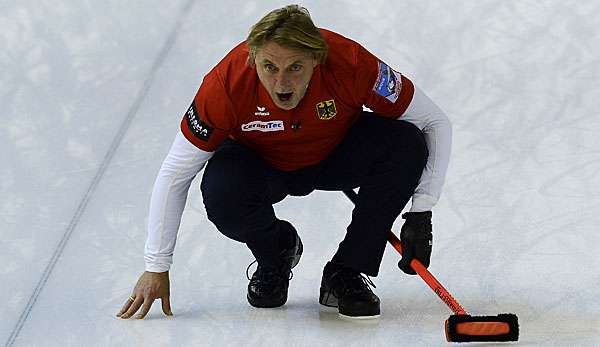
(358,318)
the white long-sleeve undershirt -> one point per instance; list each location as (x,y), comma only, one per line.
(184,161)
(436,127)
(169,195)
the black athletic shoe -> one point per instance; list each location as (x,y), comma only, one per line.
(268,286)
(349,291)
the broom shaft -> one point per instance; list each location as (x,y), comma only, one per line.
(421,270)
(431,281)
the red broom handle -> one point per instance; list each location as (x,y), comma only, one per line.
(420,269)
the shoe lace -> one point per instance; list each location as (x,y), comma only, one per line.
(351,282)
(265,274)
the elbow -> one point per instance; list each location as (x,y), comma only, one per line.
(439,121)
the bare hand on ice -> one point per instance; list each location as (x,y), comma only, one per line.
(150,286)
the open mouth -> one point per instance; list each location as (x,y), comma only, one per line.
(284,97)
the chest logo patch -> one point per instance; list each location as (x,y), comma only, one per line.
(274,125)
(326,109)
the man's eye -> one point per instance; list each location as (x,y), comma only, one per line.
(270,68)
(295,67)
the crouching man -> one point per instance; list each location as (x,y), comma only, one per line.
(282,114)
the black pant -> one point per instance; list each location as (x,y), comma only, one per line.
(384,157)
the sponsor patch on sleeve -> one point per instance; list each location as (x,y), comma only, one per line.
(388,83)
(200,129)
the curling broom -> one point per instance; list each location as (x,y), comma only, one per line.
(461,326)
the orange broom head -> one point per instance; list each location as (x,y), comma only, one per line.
(467,328)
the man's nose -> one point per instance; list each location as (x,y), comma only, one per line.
(283,80)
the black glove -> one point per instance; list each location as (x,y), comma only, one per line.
(416,240)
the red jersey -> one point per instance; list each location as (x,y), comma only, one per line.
(232,102)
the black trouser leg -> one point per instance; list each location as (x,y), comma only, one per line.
(385,158)
(239,189)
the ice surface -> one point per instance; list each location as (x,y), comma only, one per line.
(515,230)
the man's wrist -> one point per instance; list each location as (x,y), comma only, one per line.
(157,267)
(424,216)
(422,203)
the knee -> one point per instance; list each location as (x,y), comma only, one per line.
(416,142)
(410,142)
(219,202)
(228,194)
(224,208)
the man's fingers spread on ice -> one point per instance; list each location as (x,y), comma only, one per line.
(145,308)
(134,307)
(125,307)
(166,305)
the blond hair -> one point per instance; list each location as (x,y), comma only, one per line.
(290,27)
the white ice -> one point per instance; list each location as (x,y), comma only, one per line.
(516,229)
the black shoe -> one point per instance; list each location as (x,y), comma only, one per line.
(268,286)
(349,291)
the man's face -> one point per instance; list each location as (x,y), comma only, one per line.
(285,73)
